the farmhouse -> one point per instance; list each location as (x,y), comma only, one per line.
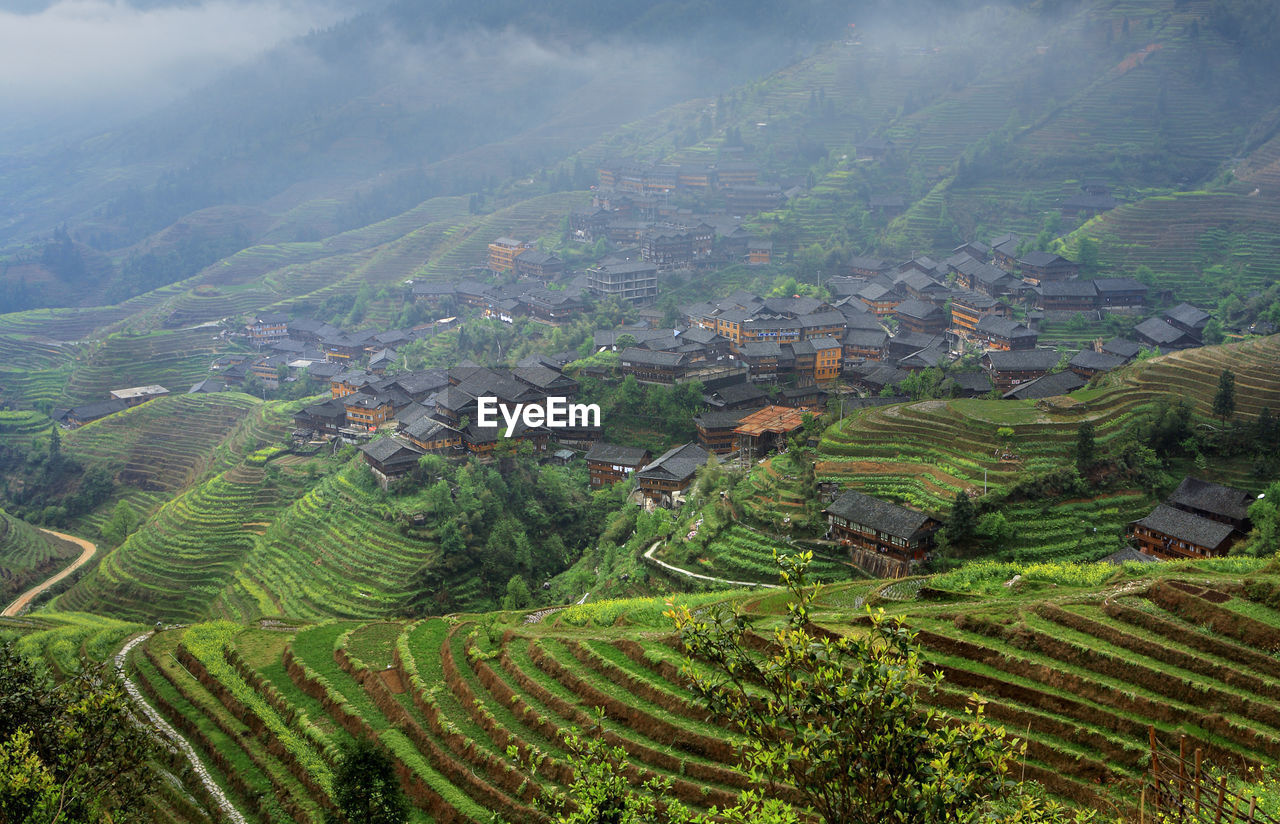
(1155,332)
(663,482)
(1056,383)
(920,316)
(1199,519)
(860,521)
(716,429)
(1086,363)
(1213,501)
(608,463)
(390,459)
(1038,267)
(1004,334)
(1008,369)
(434,437)
(1171,533)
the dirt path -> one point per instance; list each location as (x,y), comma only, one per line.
(14,609)
(686,573)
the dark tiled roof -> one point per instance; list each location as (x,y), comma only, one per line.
(1184,526)
(1096,361)
(1123,347)
(676,464)
(1003,327)
(1068,289)
(1059,383)
(1041,259)
(390,450)
(864,338)
(645,357)
(1159,332)
(917,310)
(1108,285)
(1025,360)
(612,453)
(1188,315)
(722,419)
(882,516)
(1216,499)
(760,349)
(739,393)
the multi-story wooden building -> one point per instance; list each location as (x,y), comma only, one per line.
(367,411)
(1172,534)
(1038,267)
(268,328)
(503,253)
(390,459)
(919,316)
(534,263)
(1068,296)
(867,344)
(663,482)
(968,307)
(828,359)
(653,367)
(995,332)
(1008,369)
(608,463)
(715,429)
(858,520)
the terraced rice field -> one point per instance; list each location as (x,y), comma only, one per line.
(924,453)
(1076,668)
(334,550)
(175,360)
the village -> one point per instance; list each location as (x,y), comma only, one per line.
(880,333)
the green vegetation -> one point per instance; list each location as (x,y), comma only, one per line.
(1074,660)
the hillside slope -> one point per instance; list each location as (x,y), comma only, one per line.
(1078,661)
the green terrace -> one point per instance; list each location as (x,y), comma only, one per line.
(1078,660)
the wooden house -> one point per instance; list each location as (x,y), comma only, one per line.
(390,459)
(1008,369)
(861,521)
(663,482)
(609,463)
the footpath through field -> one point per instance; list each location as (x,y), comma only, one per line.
(87,550)
(649,556)
(229,811)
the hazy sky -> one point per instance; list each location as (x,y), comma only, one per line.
(99,53)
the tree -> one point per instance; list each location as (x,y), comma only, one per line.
(1264,514)
(963,519)
(518,595)
(365,787)
(842,718)
(1085,447)
(123,522)
(1224,402)
(70,751)
(603,793)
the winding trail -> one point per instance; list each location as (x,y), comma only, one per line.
(686,573)
(229,811)
(23,600)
